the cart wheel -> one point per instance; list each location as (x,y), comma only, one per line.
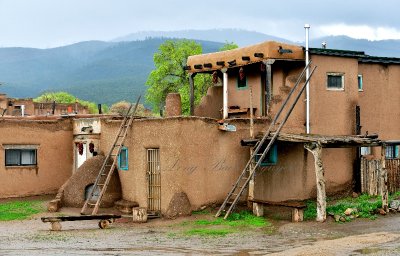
(56,226)
(104,224)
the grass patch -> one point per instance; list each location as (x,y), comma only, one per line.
(201,212)
(219,227)
(208,232)
(20,210)
(366,206)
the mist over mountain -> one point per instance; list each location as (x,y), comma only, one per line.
(107,72)
(383,48)
(239,36)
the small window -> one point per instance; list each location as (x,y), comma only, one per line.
(241,79)
(20,157)
(392,151)
(123,159)
(365,151)
(335,81)
(272,156)
(360,83)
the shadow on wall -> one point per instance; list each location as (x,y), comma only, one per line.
(75,189)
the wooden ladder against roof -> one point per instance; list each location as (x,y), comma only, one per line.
(260,152)
(106,170)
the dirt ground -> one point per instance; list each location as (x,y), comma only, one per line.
(162,237)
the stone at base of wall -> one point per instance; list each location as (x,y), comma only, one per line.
(179,206)
(258,209)
(139,214)
(125,206)
(54,205)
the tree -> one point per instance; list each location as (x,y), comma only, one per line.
(64,97)
(228,46)
(169,75)
(121,108)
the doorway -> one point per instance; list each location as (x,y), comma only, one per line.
(154,180)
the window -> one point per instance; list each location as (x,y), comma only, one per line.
(360,82)
(271,158)
(123,159)
(20,155)
(365,151)
(241,79)
(335,81)
(392,151)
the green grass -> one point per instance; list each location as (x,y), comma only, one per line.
(20,210)
(366,206)
(236,222)
(208,232)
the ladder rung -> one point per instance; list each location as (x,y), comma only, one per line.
(90,204)
(100,184)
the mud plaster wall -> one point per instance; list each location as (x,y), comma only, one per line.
(54,157)
(198,159)
(241,96)
(211,104)
(380,100)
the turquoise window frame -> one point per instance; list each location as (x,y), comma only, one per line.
(124,152)
(271,158)
(237,83)
(360,83)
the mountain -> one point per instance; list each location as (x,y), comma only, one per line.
(107,72)
(104,72)
(383,48)
(238,36)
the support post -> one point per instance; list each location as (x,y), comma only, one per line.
(225,93)
(316,150)
(383,180)
(268,83)
(191,83)
(307,28)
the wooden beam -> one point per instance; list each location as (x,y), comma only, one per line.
(316,150)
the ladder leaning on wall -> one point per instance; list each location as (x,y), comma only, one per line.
(106,171)
(260,152)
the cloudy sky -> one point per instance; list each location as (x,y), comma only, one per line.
(50,23)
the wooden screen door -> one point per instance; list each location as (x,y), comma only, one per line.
(154,180)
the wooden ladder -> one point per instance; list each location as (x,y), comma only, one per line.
(106,170)
(259,152)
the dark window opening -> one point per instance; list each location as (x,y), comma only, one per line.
(123,159)
(392,151)
(335,81)
(20,157)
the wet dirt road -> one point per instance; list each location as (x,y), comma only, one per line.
(32,237)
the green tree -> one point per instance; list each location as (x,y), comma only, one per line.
(169,75)
(228,46)
(64,97)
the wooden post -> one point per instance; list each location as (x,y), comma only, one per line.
(316,150)
(191,83)
(268,85)
(383,180)
(225,93)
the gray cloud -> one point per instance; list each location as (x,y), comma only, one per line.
(45,23)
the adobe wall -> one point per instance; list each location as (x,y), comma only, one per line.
(54,156)
(204,162)
(379,100)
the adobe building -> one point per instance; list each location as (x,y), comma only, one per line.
(176,164)
(26,107)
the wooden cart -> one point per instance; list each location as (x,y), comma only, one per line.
(105,220)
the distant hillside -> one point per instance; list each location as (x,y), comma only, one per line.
(107,72)
(103,72)
(383,48)
(238,36)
